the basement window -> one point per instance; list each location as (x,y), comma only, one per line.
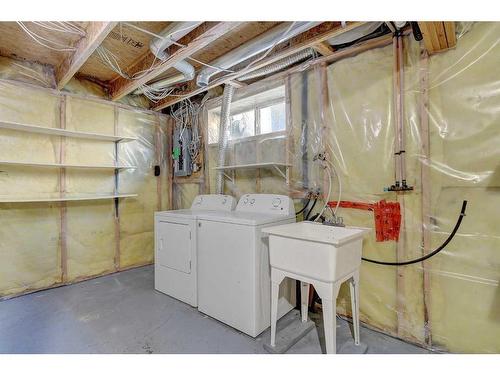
(256,115)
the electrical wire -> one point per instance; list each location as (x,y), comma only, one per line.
(62,26)
(431,254)
(43,41)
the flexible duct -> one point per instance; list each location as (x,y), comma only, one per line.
(224,134)
(279,65)
(255,46)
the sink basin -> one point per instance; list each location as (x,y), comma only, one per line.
(314,250)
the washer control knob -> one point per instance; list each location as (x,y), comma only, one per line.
(245,201)
(252,201)
(224,200)
(276,202)
(199,200)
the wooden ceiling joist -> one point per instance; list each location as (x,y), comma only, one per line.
(197,39)
(96,32)
(306,40)
(324,48)
(438,36)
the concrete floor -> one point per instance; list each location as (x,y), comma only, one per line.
(122,313)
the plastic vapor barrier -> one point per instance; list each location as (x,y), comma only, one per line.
(450,107)
(44,244)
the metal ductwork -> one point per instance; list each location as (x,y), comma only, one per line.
(255,46)
(279,65)
(354,34)
(224,132)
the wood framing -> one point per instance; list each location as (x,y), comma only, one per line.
(194,42)
(62,190)
(96,33)
(438,36)
(303,41)
(426,189)
(324,48)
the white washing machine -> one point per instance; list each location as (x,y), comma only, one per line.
(175,246)
(233,263)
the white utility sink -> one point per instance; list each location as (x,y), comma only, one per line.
(322,252)
(321,255)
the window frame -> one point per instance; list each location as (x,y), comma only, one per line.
(245,92)
(256,110)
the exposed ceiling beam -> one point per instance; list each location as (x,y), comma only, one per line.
(96,32)
(303,41)
(194,41)
(438,36)
(324,48)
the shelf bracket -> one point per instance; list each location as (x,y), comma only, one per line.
(282,174)
(230,178)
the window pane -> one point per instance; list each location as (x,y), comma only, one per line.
(272,118)
(242,125)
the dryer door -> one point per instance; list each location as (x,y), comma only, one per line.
(174,245)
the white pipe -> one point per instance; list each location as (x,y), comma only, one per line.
(253,47)
(187,73)
(171,34)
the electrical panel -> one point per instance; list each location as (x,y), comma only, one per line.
(180,152)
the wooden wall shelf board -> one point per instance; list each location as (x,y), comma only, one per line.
(63,132)
(72,166)
(63,198)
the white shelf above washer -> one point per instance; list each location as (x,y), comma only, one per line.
(63,132)
(268,165)
(63,198)
(65,165)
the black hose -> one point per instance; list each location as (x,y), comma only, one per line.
(443,245)
(310,210)
(303,208)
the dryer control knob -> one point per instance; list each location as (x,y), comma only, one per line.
(245,201)
(276,202)
(252,201)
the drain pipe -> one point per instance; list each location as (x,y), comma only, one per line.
(224,134)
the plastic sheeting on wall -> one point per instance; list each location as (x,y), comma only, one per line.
(95,240)
(459,310)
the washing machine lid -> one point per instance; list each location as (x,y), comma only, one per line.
(244,218)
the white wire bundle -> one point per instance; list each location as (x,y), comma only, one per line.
(61,26)
(48,43)
(186,115)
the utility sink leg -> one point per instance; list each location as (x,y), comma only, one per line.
(354,289)
(304,300)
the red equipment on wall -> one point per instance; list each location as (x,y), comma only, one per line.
(387,217)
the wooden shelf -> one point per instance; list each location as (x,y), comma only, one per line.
(57,165)
(65,198)
(63,132)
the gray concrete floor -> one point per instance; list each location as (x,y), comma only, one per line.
(122,313)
